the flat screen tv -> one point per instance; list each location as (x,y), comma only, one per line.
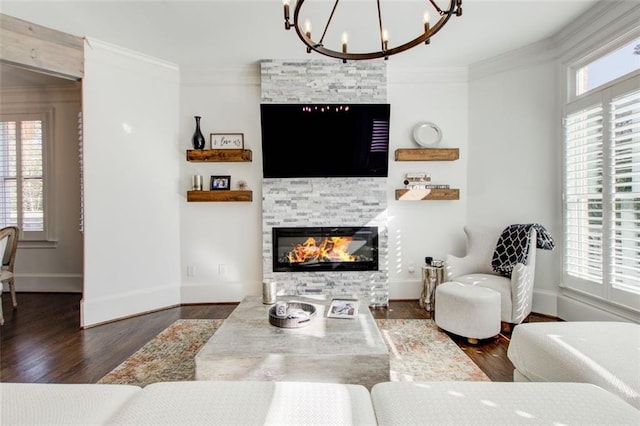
(325,140)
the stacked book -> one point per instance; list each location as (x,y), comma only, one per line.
(421,181)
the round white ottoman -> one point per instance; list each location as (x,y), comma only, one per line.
(468,310)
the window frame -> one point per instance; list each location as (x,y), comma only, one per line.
(46,237)
(592,56)
(602,96)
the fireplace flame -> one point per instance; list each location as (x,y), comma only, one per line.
(330,249)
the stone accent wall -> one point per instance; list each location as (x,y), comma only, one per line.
(318,80)
(326,201)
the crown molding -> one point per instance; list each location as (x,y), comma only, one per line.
(92,43)
(599,27)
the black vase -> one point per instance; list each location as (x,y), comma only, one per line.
(198,137)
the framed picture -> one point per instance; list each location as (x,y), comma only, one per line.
(220,183)
(343,308)
(227,140)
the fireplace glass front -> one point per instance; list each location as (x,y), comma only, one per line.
(342,248)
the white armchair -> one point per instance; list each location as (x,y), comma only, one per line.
(516,293)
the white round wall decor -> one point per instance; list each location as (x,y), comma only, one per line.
(427,134)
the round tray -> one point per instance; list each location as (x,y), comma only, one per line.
(292,322)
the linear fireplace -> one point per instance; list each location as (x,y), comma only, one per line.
(338,248)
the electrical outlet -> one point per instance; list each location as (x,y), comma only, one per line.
(191,271)
(411,268)
(222,269)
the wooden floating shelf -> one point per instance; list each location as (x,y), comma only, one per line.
(219,196)
(219,155)
(427,194)
(427,154)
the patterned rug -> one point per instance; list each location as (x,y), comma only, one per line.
(418,352)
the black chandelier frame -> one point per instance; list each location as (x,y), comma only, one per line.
(454,9)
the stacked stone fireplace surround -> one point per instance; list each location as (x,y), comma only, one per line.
(310,202)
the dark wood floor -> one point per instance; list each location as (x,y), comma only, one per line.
(42,342)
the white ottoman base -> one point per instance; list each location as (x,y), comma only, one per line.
(467,310)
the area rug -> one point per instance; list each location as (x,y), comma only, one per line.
(418,352)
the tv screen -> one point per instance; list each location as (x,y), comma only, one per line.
(325,140)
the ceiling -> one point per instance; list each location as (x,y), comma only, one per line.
(214,34)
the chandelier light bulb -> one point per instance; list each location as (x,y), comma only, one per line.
(385,41)
(426,27)
(285,4)
(307,32)
(345,38)
(443,14)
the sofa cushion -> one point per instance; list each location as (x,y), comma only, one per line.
(498,403)
(249,402)
(605,353)
(61,404)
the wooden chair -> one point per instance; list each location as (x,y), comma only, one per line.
(8,246)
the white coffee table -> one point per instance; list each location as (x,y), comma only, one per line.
(334,350)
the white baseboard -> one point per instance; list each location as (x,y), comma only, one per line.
(48,283)
(405,290)
(227,292)
(545,302)
(574,308)
(124,305)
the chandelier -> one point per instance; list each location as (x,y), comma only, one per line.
(429,29)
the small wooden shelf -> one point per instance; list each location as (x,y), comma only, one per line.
(427,154)
(427,194)
(219,155)
(219,196)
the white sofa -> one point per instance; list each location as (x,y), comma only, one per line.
(498,403)
(604,353)
(298,403)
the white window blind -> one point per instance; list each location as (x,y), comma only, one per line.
(625,138)
(22,174)
(584,194)
(602,193)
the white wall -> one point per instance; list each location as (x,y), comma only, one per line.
(229,233)
(425,228)
(514,166)
(54,266)
(131,183)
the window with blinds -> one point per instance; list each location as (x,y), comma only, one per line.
(625,178)
(584,184)
(22,174)
(602,193)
